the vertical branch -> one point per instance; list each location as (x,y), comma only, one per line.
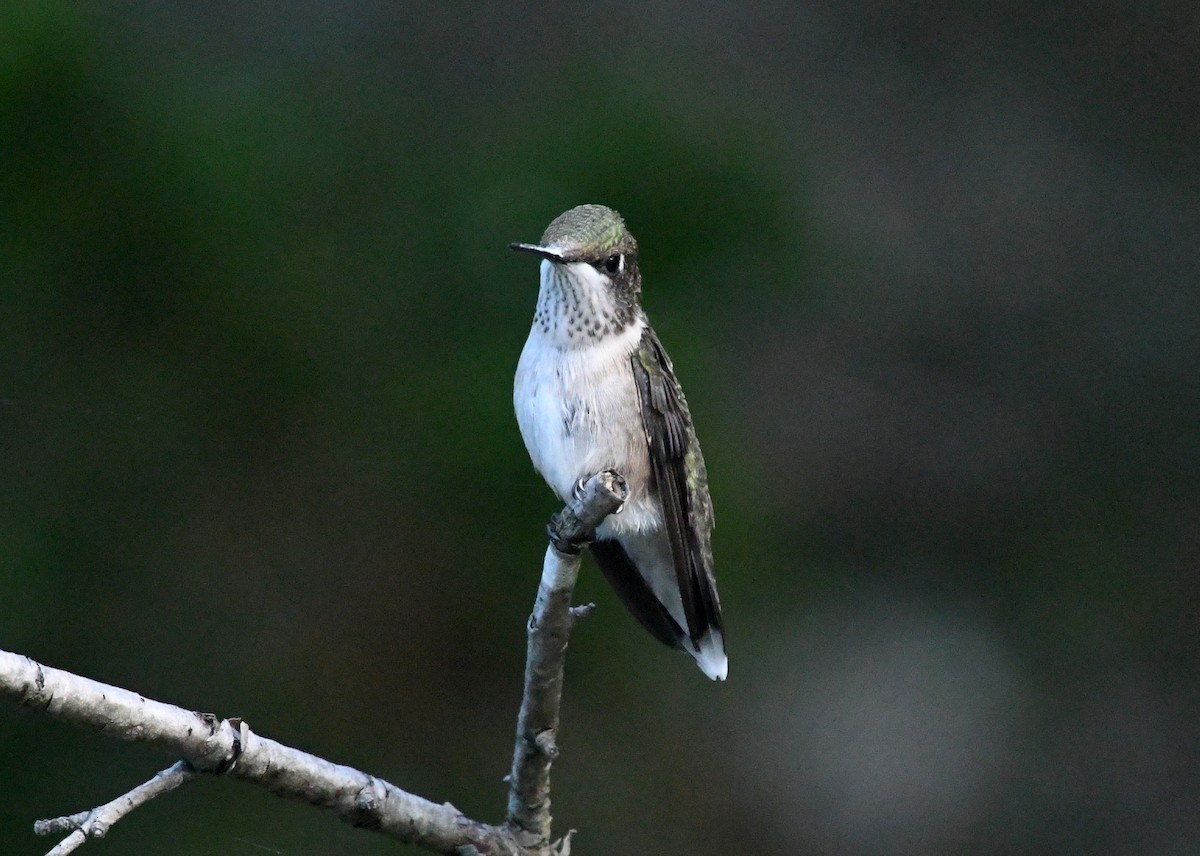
(537,722)
(549,631)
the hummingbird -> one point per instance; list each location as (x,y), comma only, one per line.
(595,390)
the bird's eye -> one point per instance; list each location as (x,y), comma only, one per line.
(614,264)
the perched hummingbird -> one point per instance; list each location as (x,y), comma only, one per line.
(594,391)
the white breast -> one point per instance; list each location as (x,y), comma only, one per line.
(578,411)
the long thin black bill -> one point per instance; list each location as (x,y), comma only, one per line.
(544,252)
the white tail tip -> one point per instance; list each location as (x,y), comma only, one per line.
(710,656)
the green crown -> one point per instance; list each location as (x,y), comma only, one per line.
(588,232)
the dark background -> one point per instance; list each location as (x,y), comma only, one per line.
(928,275)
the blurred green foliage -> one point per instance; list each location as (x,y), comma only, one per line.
(257,452)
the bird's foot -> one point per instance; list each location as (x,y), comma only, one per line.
(574,527)
(577,491)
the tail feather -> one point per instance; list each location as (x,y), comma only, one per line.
(710,655)
(637,596)
(706,644)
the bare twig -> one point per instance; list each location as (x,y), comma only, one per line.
(549,630)
(207,744)
(229,747)
(97,822)
(583,610)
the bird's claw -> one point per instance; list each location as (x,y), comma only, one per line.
(577,493)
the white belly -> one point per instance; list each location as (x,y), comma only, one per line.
(578,411)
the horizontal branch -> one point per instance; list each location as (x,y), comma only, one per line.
(208,744)
(229,747)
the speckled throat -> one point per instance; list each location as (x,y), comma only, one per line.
(576,304)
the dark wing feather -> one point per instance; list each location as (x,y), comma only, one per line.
(681,482)
(634,593)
